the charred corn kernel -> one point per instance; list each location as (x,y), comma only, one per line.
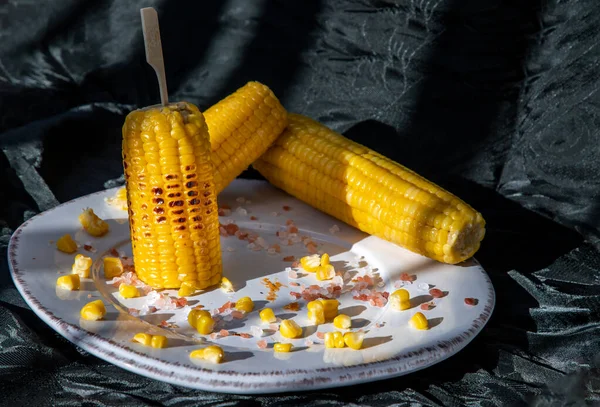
(282,347)
(267,316)
(400,299)
(324,259)
(326,272)
(66,244)
(334,339)
(92,223)
(93,311)
(244,304)
(202,321)
(226,285)
(370,192)
(69,282)
(419,321)
(316,312)
(81,266)
(354,340)
(310,263)
(330,307)
(143,338)
(158,341)
(342,321)
(171,193)
(112,267)
(187,289)
(290,329)
(213,354)
(128,291)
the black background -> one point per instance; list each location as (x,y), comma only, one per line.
(495,100)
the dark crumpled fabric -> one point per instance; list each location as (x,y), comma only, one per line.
(495,100)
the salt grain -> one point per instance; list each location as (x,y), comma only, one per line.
(230,249)
(274,214)
(334,229)
(241,211)
(257,331)
(241,200)
(423,287)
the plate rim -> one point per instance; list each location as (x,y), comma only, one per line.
(293,380)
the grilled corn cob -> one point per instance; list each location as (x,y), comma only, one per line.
(371,192)
(171,197)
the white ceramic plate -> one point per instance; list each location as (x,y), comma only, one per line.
(391,347)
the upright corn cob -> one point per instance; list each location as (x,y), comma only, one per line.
(171,197)
(371,192)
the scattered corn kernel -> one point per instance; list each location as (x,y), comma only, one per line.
(93,311)
(202,321)
(112,267)
(226,285)
(66,244)
(326,272)
(324,259)
(419,321)
(211,353)
(342,321)
(92,223)
(244,304)
(158,341)
(267,316)
(310,263)
(330,307)
(81,266)
(69,282)
(282,347)
(290,329)
(187,289)
(316,312)
(334,339)
(354,340)
(400,300)
(143,338)
(128,291)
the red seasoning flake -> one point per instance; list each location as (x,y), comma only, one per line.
(245,335)
(286,208)
(114,252)
(289,258)
(293,306)
(181,302)
(231,228)
(321,335)
(224,332)
(295,295)
(427,306)
(292,229)
(262,344)
(436,293)
(225,206)
(253,218)
(407,277)
(289,222)
(88,247)
(471,301)
(295,264)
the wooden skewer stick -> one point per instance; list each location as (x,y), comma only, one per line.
(154,53)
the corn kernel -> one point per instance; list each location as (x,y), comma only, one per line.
(226,285)
(66,244)
(92,223)
(310,263)
(202,321)
(334,339)
(128,291)
(267,316)
(354,340)
(69,282)
(324,259)
(342,322)
(326,272)
(112,267)
(419,321)
(400,300)
(187,289)
(158,341)
(81,266)
(244,304)
(143,338)
(290,329)
(282,347)
(330,306)
(93,311)
(211,353)
(316,313)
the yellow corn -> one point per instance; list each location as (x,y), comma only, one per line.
(244,304)
(334,339)
(171,193)
(400,299)
(282,347)
(81,266)
(92,223)
(324,259)
(310,263)
(69,282)
(128,291)
(66,244)
(267,316)
(112,267)
(316,312)
(212,353)
(158,341)
(354,340)
(330,308)
(226,285)
(93,311)
(143,338)
(242,126)
(119,200)
(202,321)
(371,192)
(187,289)
(326,272)
(419,321)
(290,329)
(342,321)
